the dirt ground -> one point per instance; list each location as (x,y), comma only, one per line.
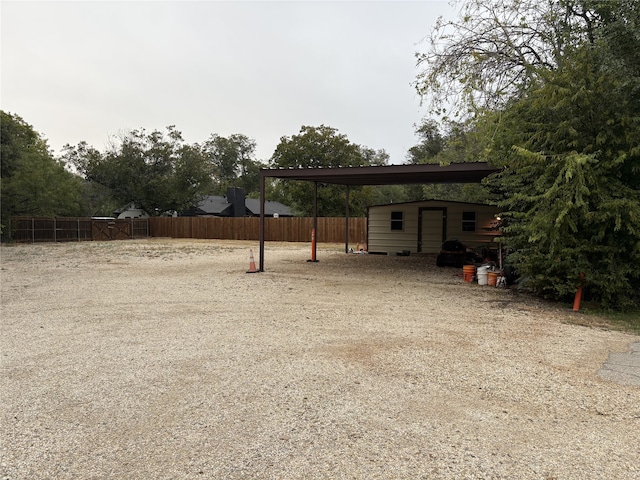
(164,359)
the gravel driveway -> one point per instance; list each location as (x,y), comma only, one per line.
(164,359)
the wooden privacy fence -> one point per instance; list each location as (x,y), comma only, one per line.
(284,229)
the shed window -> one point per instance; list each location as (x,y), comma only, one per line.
(397,220)
(468,221)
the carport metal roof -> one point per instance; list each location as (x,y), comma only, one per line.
(387,174)
(472,172)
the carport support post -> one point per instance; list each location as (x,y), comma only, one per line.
(346,222)
(262,176)
(315,220)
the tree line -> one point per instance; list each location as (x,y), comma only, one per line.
(159,172)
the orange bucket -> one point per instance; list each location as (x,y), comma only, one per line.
(492,279)
(468,272)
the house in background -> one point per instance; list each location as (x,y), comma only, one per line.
(423,226)
(130,211)
(235,204)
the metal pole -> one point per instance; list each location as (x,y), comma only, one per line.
(346,225)
(315,215)
(55,232)
(262,177)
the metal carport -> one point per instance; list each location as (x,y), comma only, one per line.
(471,172)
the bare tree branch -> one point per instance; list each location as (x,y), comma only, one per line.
(495,49)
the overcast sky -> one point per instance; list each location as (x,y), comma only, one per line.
(89,70)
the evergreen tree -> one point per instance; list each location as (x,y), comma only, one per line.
(570,149)
(555,88)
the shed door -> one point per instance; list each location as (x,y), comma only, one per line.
(432,229)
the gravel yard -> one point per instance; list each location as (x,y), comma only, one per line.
(164,359)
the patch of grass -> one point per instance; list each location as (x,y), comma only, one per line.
(624,321)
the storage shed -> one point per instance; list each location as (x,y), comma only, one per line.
(422,226)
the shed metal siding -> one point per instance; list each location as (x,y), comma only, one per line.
(382,239)
(485,219)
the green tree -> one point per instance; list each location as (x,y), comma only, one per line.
(431,143)
(155,171)
(572,190)
(562,113)
(322,147)
(458,144)
(374,158)
(33,182)
(99,200)
(233,162)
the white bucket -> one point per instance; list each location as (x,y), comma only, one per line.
(482,275)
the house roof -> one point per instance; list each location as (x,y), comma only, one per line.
(270,207)
(213,205)
(218,205)
(472,172)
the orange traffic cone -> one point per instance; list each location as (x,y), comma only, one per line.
(252,263)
